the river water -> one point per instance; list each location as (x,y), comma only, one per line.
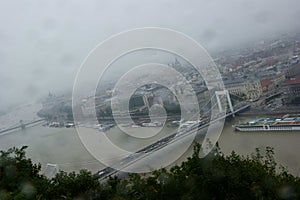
(62,146)
(286,144)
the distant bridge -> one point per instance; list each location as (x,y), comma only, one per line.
(21,126)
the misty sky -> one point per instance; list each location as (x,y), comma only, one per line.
(43,43)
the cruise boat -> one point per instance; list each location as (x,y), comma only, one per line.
(286,123)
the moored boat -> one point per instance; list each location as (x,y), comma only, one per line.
(286,123)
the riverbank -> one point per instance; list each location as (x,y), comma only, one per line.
(257,113)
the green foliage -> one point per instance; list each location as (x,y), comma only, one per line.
(215,176)
(69,185)
(19,178)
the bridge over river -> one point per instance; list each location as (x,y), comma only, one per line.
(199,128)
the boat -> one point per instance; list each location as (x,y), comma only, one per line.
(286,123)
(69,125)
(152,124)
(104,127)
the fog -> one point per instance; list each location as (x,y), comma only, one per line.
(43,43)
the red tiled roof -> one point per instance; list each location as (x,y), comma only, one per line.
(265,82)
(292,81)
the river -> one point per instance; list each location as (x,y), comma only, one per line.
(62,146)
(286,144)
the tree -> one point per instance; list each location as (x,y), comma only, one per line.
(215,176)
(70,185)
(19,177)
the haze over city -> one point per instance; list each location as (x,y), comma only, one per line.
(143,99)
(43,43)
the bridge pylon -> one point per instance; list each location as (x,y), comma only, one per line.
(226,93)
(22,125)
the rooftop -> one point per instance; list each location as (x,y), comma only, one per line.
(292,81)
(265,82)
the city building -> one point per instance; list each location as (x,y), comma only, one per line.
(267,85)
(236,87)
(253,89)
(292,86)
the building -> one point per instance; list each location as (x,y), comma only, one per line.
(267,85)
(293,71)
(236,87)
(292,86)
(278,79)
(253,89)
(247,89)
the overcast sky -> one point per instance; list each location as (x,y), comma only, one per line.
(43,43)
